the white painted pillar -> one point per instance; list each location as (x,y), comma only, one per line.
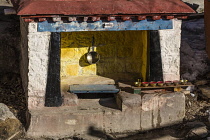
(170,41)
(38,48)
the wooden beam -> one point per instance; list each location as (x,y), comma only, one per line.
(100,25)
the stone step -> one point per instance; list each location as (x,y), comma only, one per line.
(133,113)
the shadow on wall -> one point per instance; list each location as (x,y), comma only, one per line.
(123,54)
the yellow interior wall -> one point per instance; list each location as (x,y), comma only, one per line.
(123,54)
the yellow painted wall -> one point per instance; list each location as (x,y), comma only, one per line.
(123,54)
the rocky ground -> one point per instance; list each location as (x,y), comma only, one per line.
(196,124)
(12,95)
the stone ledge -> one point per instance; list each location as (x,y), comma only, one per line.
(125,100)
(139,113)
(71,80)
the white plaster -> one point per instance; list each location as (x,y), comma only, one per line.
(71,122)
(32,27)
(170,41)
(35,102)
(38,48)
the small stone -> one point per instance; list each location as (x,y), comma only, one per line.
(208,76)
(201,82)
(130,100)
(198,129)
(186,49)
(205,91)
(69,99)
(10,126)
(208,112)
(186,92)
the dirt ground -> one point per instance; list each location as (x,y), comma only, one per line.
(197,109)
(12,95)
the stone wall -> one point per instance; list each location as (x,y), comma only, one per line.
(123,54)
(38,49)
(34,63)
(194,59)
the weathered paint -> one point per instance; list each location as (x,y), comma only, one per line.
(102,26)
(99,7)
(93,89)
(170,41)
(37,45)
(53,93)
(123,54)
(156,71)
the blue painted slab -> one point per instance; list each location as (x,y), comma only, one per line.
(73,26)
(93,89)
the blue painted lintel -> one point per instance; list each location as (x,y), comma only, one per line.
(104,26)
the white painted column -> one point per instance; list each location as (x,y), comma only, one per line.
(38,48)
(170,41)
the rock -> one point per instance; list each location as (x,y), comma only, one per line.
(190,76)
(209,118)
(198,129)
(5,3)
(160,110)
(186,92)
(201,82)
(125,100)
(69,99)
(194,62)
(208,75)
(194,26)
(171,108)
(186,49)
(205,91)
(10,126)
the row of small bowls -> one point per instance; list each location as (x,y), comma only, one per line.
(160,83)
